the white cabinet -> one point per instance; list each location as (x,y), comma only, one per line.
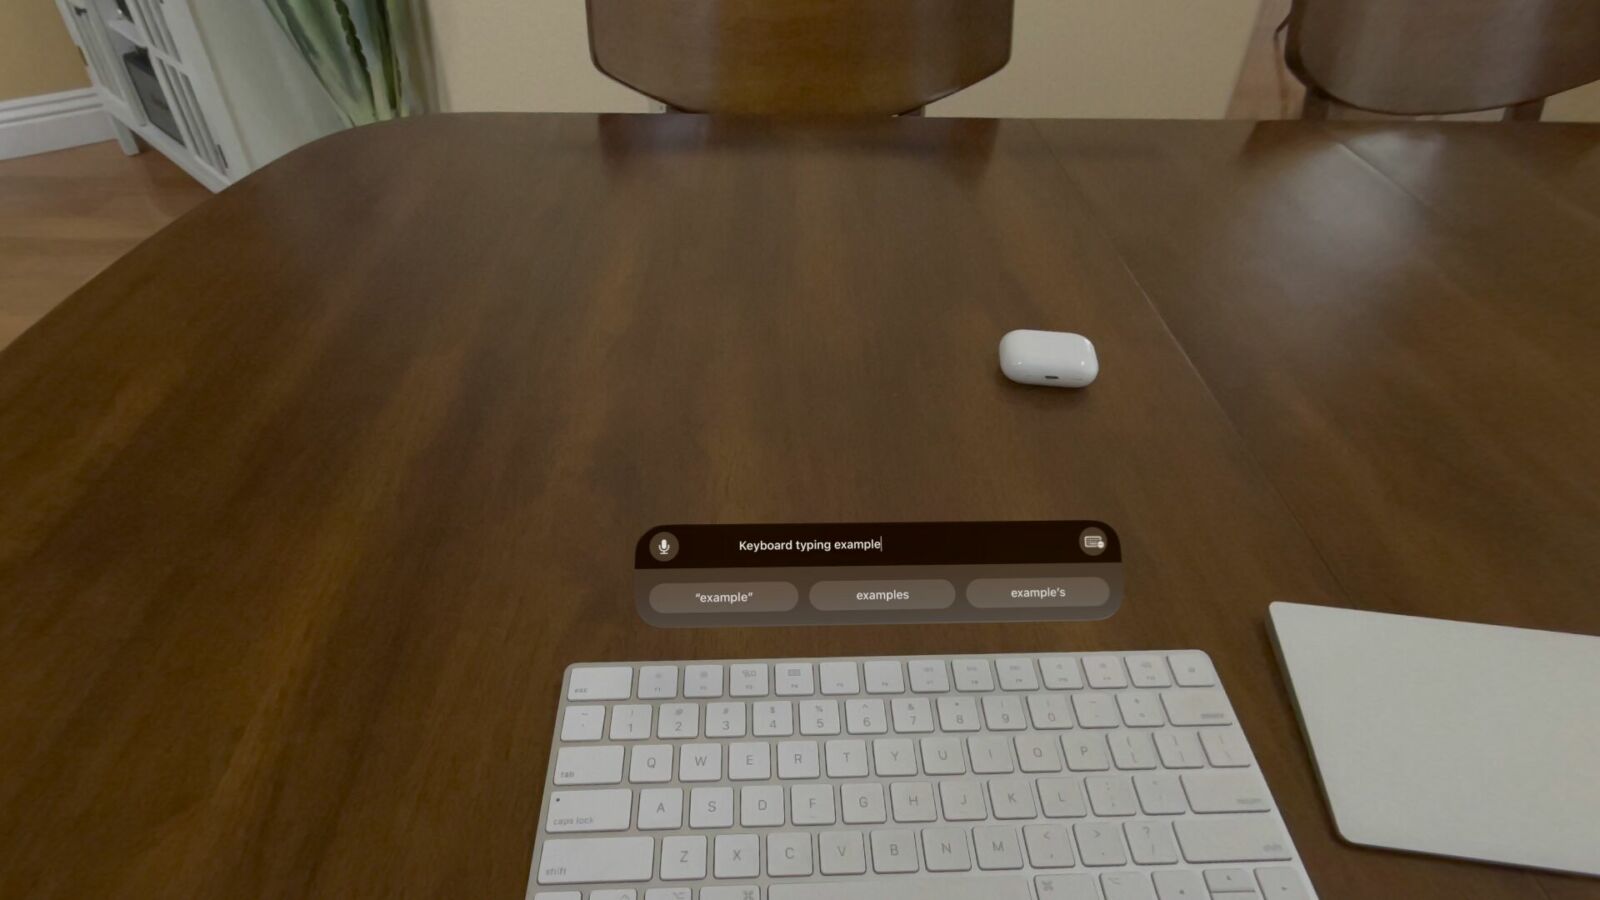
(212,84)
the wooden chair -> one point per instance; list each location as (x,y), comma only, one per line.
(1434,57)
(799,57)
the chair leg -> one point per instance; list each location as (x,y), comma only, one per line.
(1318,106)
(1524,112)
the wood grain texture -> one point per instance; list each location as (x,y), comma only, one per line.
(311,498)
(800,57)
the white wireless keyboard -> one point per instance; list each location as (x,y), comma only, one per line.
(1054,777)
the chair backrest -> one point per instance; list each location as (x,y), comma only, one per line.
(803,57)
(1424,57)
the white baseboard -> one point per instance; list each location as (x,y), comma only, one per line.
(48,122)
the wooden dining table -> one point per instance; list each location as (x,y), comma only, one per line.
(307,502)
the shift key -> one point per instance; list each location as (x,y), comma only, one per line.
(585,860)
(1243,839)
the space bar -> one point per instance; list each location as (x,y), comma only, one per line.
(1000,888)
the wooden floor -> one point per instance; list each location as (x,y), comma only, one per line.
(65,216)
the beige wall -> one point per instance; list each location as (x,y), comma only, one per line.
(36,55)
(1177,58)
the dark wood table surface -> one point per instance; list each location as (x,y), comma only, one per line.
(309,500)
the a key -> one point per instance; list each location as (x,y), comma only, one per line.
(1148,671)
(865,717)
(747,680)
(660,809)
(749,762)
(1100,844)
(1127,886)
(998,847)
(1151,843)
(1062,798)
(1140,710)
(798,759)
(725,720)
(1281,883)
(911,715)
(973,675)
(812,804)
(863,804)
(1086,752)
(606,810)
(1180,884)
(1003,713)
(946,888)
(583,723)
(962,801)
(1094,710)
(1197,707)
(819,717)
(795,680)
(773,718)
(700,762)
(589,765)
(600,683)
(893,757)
(839,678)
(761,806)
(630,722)
(1230,881)
(1132,750)
(958,714)
(912,802)
(1038,753)
(658,682)
(736,856)
(942,756)
(991,755)
(1226,792)
(884,677)
(1160,794)
(703,682)
(1050,712)
(1068,887)
(1060,673)
(929,676)
(1111,795)
(678,720)
(585,860)
(893,853)
(1012,798)
(711,807)
(945,850)
(683,858)
(1192,669)
(1179,749)
(1017,674)
(1049,846)
(1225,747)
(1232,839)
(842,853)
(846,759)
(789,854)
(1105,672)
(650,764)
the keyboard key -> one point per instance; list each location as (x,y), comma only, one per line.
(991,888)
(812,804)
(760,807)
(650,764)
(1127,886)
(1096,710)
(1232,839)
(1049,712)
(1049,846)
(943,756)
(839,678)
(583,723)
(1160,795)
(1132,750)
(1151,843)
(846,759)
(725,720)
(1062,798)
(795,680)
(929,676)
(819,717)
(1221,793)
(863,804)
(945,850)
(962,801)
(1111,795)
(1197,707)
(600,683)
(1017,674)
(912,715)
(893,853)
(973,675)
(1100,844)
(842,852)
(773,718)
(630,723)
(1192,669)
(1281,883)
(736,856)
(683,858)
(789,854)
(1012,798)
(678,720)
(585,860)
(1148,671)
(589,765)
(1225,748)
(748,680)
(1230,881)
(1060,673)
(998,847)
(866,717)
(711,807)
(1038,753)
(658,682)
(700,762)
(1179,749)
(1183,884)
(958,714)
(1105,672)
(1086,752)
(741,892)
(798,759)
(991,755)
(702,682)
(1003,713)
(885,677)
(894,757)
(912,802)
(615,894)
(661,809)
(607,810)
(1140,710)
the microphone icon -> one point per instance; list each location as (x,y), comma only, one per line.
(664,546)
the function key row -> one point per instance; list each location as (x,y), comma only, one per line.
(920,676)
